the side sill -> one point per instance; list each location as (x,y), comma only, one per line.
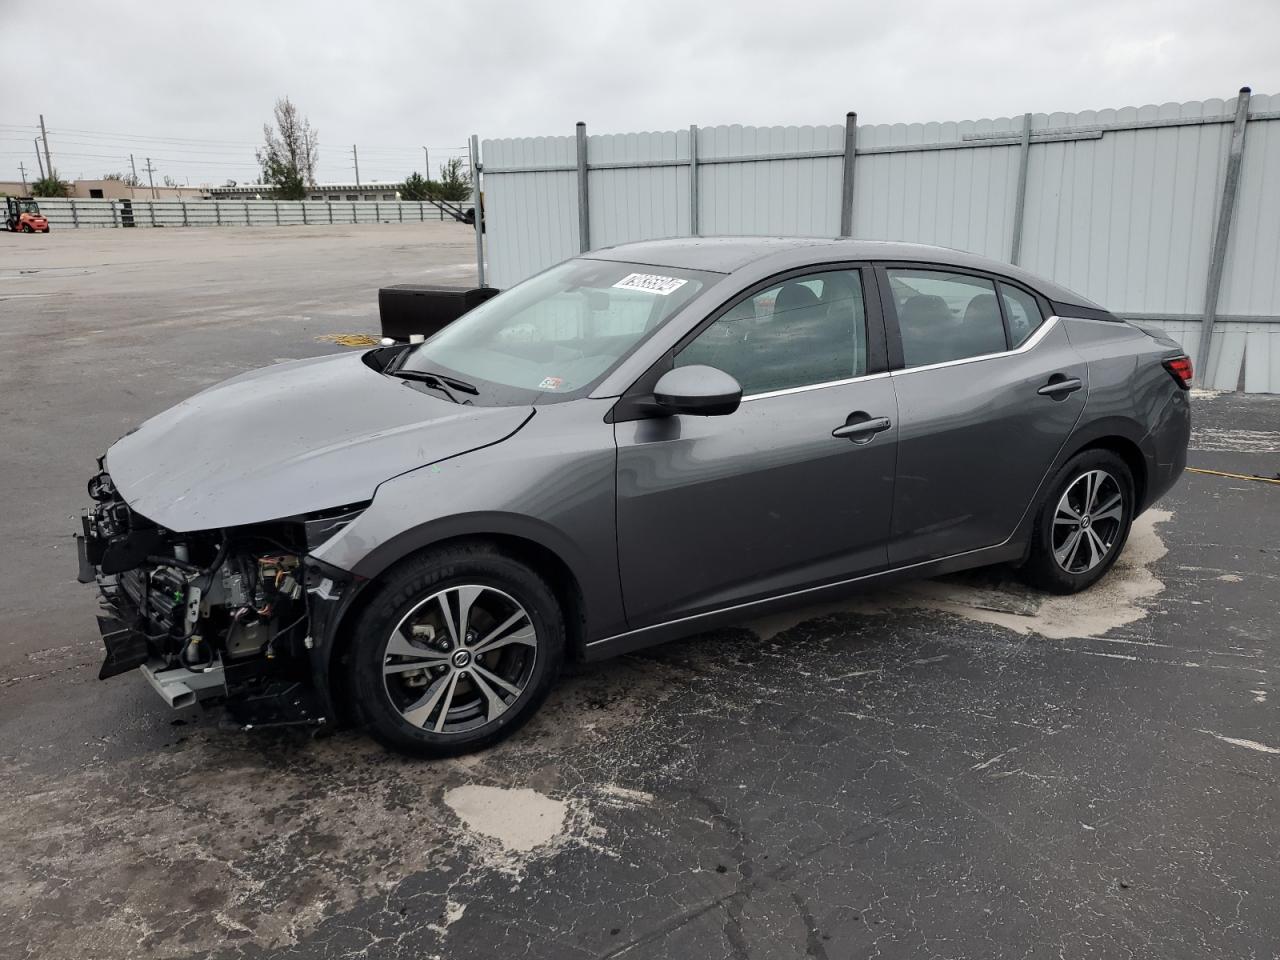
(1011,550)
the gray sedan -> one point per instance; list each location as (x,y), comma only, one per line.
(637,444)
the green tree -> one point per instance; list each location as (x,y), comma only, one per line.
(416,187)
(51,186)
(454,183)
(290,153)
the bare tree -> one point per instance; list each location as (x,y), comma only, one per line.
(291,151)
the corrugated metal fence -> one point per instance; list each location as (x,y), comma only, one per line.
(1121,205)
(233,213)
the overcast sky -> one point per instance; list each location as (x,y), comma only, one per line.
(191,84)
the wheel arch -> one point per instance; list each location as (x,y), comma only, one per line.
(1126,440)
(536,545)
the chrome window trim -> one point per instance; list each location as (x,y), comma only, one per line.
(1041,332)
(814,386)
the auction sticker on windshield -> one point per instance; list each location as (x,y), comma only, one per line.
(650,283)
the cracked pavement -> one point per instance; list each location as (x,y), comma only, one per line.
(949,769)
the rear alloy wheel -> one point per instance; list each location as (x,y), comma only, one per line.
(1088,521)
(455,651)
(1082,524)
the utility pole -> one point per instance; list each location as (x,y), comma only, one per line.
(356,159)
(151,179)
(39,162)
(23,171)
(45,137)
(426,158)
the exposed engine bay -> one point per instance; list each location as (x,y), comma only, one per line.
(213,616)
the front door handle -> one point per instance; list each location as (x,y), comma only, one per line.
(1058,389)
(861,430)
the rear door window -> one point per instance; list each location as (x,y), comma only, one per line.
(1022,312)
(945,316)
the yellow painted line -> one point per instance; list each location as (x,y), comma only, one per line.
(349,339)
(1233,476)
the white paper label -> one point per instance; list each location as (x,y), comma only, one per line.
(650,283)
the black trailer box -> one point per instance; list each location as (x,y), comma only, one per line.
(408,309)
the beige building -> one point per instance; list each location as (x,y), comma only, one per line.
(111,190)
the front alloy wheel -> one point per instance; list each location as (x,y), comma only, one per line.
(454,650)
(460,659)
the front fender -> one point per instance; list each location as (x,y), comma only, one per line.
(552,484)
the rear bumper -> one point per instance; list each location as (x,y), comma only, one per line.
(1166,446)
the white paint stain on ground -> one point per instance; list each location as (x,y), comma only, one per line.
(1242,441)
(1118,599)
(518,818)
(624,796)
(453,911)
(1239,742)
(1259,696)
(1230,578)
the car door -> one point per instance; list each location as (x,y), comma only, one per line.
(791,490)
(989,389)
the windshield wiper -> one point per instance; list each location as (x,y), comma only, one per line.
(438,381)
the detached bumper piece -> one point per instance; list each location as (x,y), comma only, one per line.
(181,687)
(126,647)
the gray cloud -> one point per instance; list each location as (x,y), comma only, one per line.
(393,76)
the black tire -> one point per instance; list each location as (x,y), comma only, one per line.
(404,623)
(27,228)
(1054,563)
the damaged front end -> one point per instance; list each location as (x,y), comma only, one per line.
(228,616)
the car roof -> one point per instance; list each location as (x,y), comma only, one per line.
(730,254)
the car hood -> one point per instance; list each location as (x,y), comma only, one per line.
(292,439)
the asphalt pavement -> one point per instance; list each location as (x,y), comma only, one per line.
(955,768)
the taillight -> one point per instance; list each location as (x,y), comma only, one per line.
(1180,369)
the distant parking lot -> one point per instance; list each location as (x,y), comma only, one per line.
(959,767)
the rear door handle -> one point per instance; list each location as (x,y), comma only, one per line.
(1060,388)
(860,431)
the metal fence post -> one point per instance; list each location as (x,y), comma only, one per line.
(277,206)
(846,180)
(329,204)
(185,221)
(1020,198)
(305,223)
(75,217)
(151,205)
(478,197)
(115,219)
(217,212)
(584,213)
(1226,213)
(247,221)
(693,179)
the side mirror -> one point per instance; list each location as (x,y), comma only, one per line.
(699,390)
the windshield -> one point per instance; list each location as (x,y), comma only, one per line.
(559,332)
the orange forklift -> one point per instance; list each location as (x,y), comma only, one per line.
(22,214)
